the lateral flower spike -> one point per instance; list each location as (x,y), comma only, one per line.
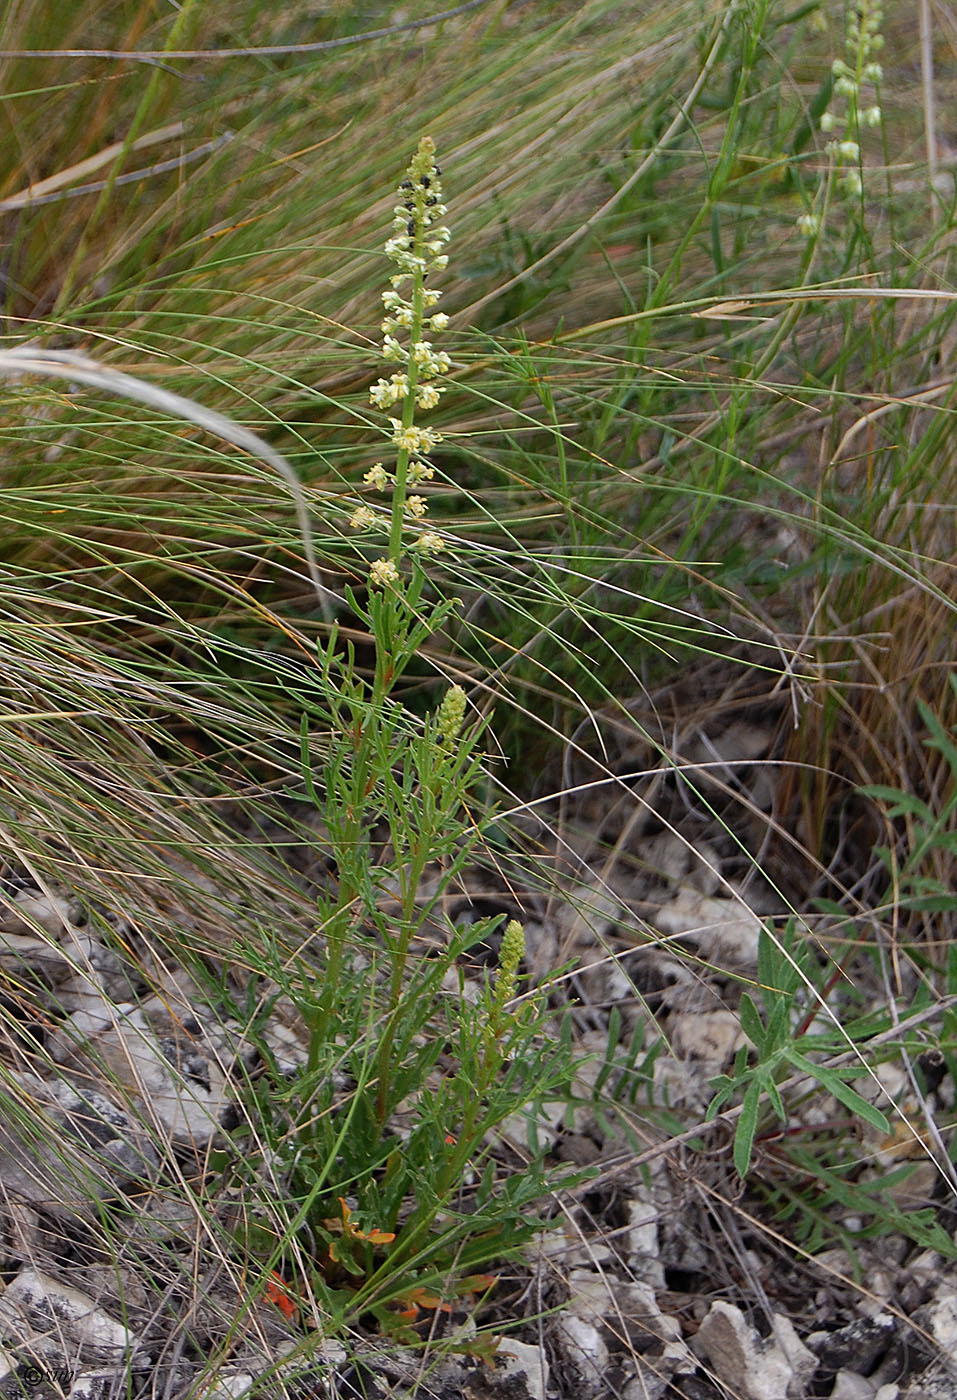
(451,714)
(415,247)
(510,956)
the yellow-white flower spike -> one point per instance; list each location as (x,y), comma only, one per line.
(415,247)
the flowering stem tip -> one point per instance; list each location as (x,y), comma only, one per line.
(416,249)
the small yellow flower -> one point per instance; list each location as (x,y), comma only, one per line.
(362,518)
(419,471)
(428,438)
(383,571)
(386,392)
(400,320)
(429,542)
(430,362)
(377,477)
(414,247)
(406,439)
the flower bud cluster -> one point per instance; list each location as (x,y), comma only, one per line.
(856,78)
(415,247)
(506,980)
(451,715)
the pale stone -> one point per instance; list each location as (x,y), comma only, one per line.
(585,1349)
(36,1305)
(625,1308)
(61,1150)
(656,1373)
(705,872)
(231,1386)
(643,1255)
(709,1036)
(526,1362)
(668,855)
(35,909)
(160,1058)
(939,1318)
(848,1385)
(754,1368)
(724,930)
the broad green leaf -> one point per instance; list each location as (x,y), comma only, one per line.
(933,904)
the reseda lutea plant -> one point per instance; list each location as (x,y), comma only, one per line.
(390,1127)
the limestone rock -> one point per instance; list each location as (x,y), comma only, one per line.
(754,1368)
(158,1057)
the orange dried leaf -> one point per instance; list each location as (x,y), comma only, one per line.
(275,1293)
(380,1236)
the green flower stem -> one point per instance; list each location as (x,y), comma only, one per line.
(408,408)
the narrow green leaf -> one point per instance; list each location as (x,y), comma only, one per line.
(899,804)
(723,1087)
(779,1024)
(774,1095)
(769,960)
(746,1129)
(842,1091)
(939,738)
(751,1022)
